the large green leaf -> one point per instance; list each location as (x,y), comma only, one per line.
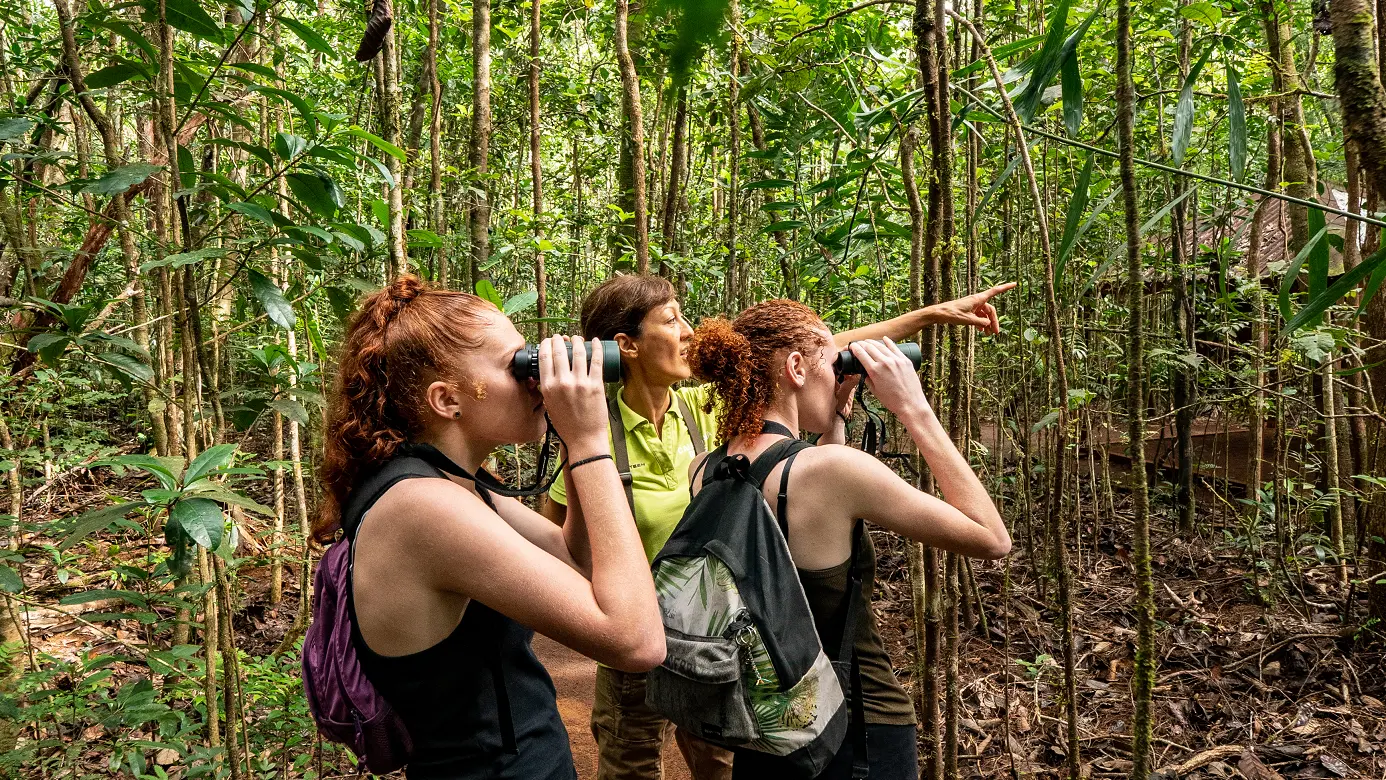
(289,146)
(378,142)
(97,520)
(305,109)
(315,192)
(252,210)
(1236,126)
(13,128)
(121,179)
(290,408)
(188,16)
(10,581)
(1292,272)
(486,290)
(308,35)
(208,461)
(272,299)
(112,75)
(1202,12)
(1184,112)
(1072,81)
(518,303)
(201,519)
(1076,206)
(49,346)
(1373,266)
(1050,58)
(183,258)
(128,367)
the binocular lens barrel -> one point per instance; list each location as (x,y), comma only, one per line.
(847,363)
(526,362)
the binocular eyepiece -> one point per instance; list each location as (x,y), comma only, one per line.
(847,363)
(525,364)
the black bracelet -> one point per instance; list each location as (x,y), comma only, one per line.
(572,466)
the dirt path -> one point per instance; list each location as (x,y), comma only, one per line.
(575,678)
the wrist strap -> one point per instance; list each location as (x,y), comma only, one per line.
(585,461)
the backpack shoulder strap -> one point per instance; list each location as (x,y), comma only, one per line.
(373,487)
(847,649)
(694,432)
(618,449)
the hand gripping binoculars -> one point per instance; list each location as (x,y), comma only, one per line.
(525,364)
(847,364)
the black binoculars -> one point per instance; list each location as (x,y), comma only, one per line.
(847,363)
(526,362)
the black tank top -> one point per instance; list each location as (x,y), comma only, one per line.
(447,694)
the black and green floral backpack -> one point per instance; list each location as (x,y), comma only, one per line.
(745,666)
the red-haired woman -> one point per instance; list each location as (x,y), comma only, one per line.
(449,580)
(641,316)
(772,375)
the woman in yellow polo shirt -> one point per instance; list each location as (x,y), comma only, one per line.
(642,315)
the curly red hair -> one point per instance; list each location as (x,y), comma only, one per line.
(404,337)
(742,358)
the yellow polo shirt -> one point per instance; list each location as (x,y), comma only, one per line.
(659,465)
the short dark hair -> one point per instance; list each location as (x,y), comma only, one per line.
(619,304)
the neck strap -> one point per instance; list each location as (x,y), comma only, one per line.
(770,426)
(486,483)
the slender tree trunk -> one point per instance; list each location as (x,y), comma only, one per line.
(479,208)
(737,295)
(1183,314)
(438,220)
(1357,76)
(11,629)
(387,80)
(678,171)
(635,129)
(536,169)
(1143,674)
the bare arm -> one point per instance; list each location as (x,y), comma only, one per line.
(973,310)
(464,548)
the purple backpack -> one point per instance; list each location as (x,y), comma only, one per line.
(345,704)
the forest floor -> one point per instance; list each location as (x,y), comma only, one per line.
(1252,682)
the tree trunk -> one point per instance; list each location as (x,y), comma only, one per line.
(634,129)
(479,206)
(437,220)
(536,170)
(737,296)
(678,171)
(1357,76)
(1183,314)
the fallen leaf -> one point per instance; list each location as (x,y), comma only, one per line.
(1252,768)
(1334,764)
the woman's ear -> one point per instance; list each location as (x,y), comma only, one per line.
(627,345)
(444,400)
(796,369)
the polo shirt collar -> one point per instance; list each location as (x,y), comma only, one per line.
(632,419)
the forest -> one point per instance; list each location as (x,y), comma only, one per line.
(1181,419)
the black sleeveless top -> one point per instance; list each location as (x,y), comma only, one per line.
(447,694)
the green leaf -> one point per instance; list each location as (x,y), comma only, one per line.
(518,303)
(290,408)
(378,142)
(183,258)
(1072,81)
(423,239)
(256,68)
(1373,285)
(201,519)
(102,594)
(188,16)
(166,470)
(784,225)
(1046,421)
(1202,12)
(1076,206)
(112,75)
(130,367)
(1050,58)
(98,520)
(220,493)
(272,299)
(49,346)
(122,179)
(1372,266)
(14,127)
(1184,112)
(10,581)
(306,34)
(304,108)
(314,192)
(999,53)
(1236,126)
(486,290)
(208,461)
(768,184)
(1164,212)
(289,146)
(1292,271)
(252,210)
(1318,256)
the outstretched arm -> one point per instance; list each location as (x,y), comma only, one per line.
(973,310)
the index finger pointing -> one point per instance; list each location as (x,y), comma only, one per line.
(998,289)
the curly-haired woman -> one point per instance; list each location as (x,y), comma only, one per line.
(449,581)
(771,372)
(641,316)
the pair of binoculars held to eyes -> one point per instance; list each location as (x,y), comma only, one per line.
(525,364)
